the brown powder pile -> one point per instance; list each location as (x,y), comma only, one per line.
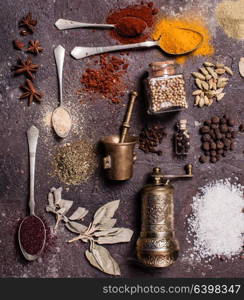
(143,11)
(106,79)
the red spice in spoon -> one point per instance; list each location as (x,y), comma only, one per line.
(32,235)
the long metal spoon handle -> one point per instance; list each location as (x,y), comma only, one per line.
(62,24)
(82,52)
(32,136)
(59,53)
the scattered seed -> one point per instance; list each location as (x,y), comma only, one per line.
(220,96)
(198,83)
(212,72)
(201,102)
(197,100)
(208,64)
(196,92)
(205,85)
(219,91)
(228,70)
(198,75)
(206,100)
(220,71)
(219,66)
(204,71)
(208,77)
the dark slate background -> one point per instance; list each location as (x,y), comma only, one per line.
(93,120)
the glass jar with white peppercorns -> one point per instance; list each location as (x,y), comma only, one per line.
(165,88)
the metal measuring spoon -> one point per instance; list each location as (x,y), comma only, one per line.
(62,24)
(82,52)
(61,119)
(32,136)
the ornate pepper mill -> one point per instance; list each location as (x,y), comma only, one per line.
(157,246)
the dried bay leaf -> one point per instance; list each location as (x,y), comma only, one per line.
(76,227)
(106,211)
(104,260)
(241,66)
(79,214)
(123,235)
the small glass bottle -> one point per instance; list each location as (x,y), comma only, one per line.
(165,88)
(182,139)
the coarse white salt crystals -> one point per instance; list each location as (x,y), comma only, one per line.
(216,224)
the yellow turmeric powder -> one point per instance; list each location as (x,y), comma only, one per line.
(174,40)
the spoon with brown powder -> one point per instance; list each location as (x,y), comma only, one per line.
(61,119)
(127,26)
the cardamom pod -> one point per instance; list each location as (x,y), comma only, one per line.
(217,66)
(205,85)
(197,99)
(219,91)
(228,70)
(208,77)
(208,64)
(220,96)
(206,100)
(196,92)
(220,71)
(201,102)
(198,83)
(198,75)
(204,71)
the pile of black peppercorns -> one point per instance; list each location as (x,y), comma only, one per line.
(218,136)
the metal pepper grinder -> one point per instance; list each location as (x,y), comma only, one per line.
(157,246)
(120,157)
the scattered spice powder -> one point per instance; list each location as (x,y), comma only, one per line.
(166,26)
(75,163)
(144,12)
(106,79)
(32,235)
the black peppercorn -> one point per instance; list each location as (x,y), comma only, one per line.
(220,145)
(213,153)
(206,146)
(214,126)
(213,159)
(231,122)
(207,123)
(213,146)
(222,121)
(203,159)
(223,128)
(206,138)
(215,120)
(204,129)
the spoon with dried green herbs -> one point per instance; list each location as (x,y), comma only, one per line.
(61,119)
(32,231)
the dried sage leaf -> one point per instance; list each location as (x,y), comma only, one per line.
(66,204)
(57,194)
(90,257)
(106,211)
(109,223)
(79,214)
(123,235)
(108,232)
(51,200)
(241,66)
(75,227)
(105,260)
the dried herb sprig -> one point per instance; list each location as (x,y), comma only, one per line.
(100,231)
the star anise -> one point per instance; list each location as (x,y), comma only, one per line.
(25,67)
(28,22)
(34,47)
(30,92)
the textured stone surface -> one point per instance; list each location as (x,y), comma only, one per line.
(96,119)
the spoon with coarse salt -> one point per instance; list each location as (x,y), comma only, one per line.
(61,119)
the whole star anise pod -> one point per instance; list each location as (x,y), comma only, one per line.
(25,67)
(30,92)
(34,47)
(28,22)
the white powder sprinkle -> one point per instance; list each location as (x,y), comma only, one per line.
(216,225)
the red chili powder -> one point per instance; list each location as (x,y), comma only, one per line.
(144,12)
(106,79)
(32,235)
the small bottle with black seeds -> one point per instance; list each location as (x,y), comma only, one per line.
(182,138)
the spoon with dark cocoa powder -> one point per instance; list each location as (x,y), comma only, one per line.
(126,26)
